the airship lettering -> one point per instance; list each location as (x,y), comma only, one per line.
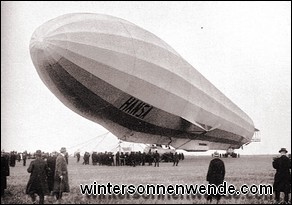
(127,103)
(131,106)
(136,107)
(144,113)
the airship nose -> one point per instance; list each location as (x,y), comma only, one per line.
(39,40)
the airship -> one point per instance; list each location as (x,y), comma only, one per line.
(119,75)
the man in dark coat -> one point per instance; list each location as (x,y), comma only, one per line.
(12,159)
(61,183)
(282,180)
(78,156)
(86,157)
(175,159)
(118,159)
(37,183)
(24,155)
(156,159)
(122,159)
(5,171)
(216,174)
(51,161)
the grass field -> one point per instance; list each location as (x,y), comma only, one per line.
(245,170)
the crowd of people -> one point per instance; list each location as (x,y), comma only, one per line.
(14,157)
(49,173)
(130,158)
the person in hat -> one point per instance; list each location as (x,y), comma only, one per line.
(5,171)
(61,179)
(37,183)
(51,161)
(282,180)
(24,155)
(156,159)
(175,159)
(216,174)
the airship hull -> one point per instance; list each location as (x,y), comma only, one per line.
(135,85)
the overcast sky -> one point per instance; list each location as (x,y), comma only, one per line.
(243,48)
